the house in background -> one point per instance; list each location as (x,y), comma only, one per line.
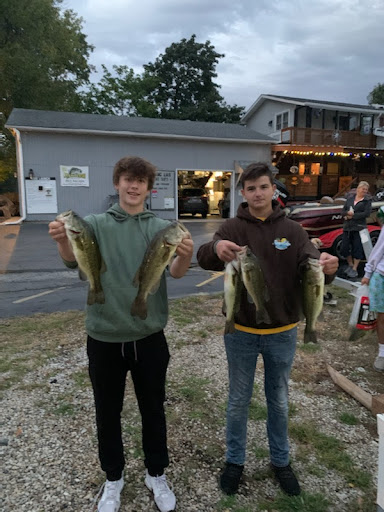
(322,147)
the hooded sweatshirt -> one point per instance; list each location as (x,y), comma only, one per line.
(282,247)
(375,261)
(123,240)
(362,211)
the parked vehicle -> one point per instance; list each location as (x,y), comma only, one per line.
(193,200)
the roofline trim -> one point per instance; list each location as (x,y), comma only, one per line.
(140,135)
(308,103)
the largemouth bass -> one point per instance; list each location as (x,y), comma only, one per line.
(157,256)
(253,279)
(87,254)
(232,293)
(313,296)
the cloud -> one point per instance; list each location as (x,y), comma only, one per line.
(328,49)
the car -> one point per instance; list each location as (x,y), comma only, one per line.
(193,200)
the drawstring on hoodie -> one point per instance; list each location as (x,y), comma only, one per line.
(134,349)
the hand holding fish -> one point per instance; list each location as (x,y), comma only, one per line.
(58,233)
(330,263)
(184,252)
(185,247)
(227,250)
(56,230)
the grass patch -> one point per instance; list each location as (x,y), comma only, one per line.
(81,379)
(331,453)
(27,343)
(310,348)
(304,503)
(348,418)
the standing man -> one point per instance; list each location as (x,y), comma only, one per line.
(283,248)
(374,276)
(118,342)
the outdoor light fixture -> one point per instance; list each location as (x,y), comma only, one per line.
(31,174)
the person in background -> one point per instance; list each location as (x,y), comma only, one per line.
(374,276)
(283,249)
(118,342)
(356,210)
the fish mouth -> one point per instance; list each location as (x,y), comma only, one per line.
(74,232)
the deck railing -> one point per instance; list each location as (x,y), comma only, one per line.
(318,137)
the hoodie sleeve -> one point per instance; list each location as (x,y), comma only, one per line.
(376,256)
(206,256)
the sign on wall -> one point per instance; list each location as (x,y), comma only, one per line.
(41,195)
(163,192)
(74,176)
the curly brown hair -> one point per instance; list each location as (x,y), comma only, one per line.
(136,167)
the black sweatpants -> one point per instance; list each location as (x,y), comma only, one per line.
(147,359)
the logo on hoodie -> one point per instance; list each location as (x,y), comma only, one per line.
(281,244)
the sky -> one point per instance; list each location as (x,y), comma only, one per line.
(319,49)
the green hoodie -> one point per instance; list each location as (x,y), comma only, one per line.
(123,240)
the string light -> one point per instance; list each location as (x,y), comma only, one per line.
(330,153)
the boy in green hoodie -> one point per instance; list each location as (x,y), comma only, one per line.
(117,342)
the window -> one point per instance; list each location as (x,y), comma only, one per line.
(282,120)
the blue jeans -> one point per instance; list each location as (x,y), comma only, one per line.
(278,351)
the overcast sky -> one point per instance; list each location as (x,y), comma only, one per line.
(319,49)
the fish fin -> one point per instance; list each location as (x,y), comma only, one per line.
(103,267)
(229,327)
(95,297)
(139,308)
(82,275)
(155,287)
(262,316)
(136,279)
(249,298)
(310,336)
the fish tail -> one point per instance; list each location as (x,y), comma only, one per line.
(139,307)
(310,336)
(229,327)
(262,316)
(95,297)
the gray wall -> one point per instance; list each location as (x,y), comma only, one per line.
(266,113)
(45,152)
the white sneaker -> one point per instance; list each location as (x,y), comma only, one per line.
(379,364)
(110,500)
(164,497)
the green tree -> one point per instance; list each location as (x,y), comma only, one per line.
(43,59)
(124,93)
(184,86)
(178,85)
(376,95)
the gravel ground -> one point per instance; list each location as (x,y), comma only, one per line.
(48,443)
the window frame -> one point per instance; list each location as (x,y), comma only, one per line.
(281,116)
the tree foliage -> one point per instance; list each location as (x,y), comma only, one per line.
(43,56)
(185,88)
(178,85)
(43,61)
(376,95)
(123,93)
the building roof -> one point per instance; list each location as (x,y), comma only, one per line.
(330,105)
(71,122)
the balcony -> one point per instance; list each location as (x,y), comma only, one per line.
(318,137)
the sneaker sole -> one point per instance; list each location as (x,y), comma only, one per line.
(150,489)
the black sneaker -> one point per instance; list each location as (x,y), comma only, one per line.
(230,478)
(287,480)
